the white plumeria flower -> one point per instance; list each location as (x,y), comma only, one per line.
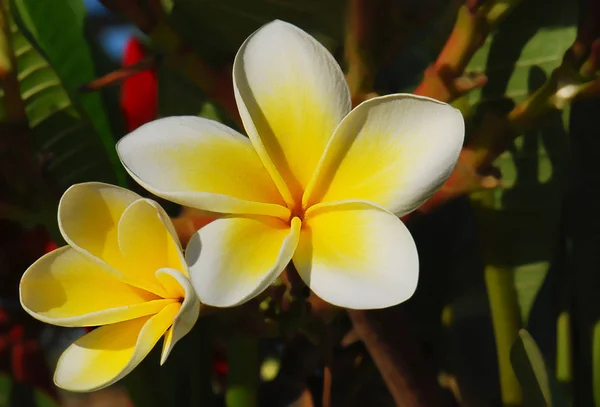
(123,270)
(315,183)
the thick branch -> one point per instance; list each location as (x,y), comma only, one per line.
(398,360)
(493,136)
(445,79)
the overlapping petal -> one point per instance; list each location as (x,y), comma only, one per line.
(66,288)
(146,242)
(202,164)
(88,217)
(395,151)
(356,255)
(234,259)
(291,94)
(110,352)
(188,313)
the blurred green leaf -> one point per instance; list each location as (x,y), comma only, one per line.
(520,221)
(75,147)
(216,29)
(5,387)
(55,59)
(16,394)
(538,384)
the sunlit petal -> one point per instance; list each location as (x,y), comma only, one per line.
(188,313)
(232,260)
(108,353)
(66,288)
(395,151)
(358,256)
(291,94)
(88,217)
(146,242)
(202,164)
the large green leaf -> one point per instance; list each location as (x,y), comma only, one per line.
(53,63)
(540,389)
(520,222)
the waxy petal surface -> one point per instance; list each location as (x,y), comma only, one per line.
(88,217)
(105,355)
(188,313)
(291,94)
(66,288)
(232,260)
(146,242)
(394,151)
(357,256)
(202,164)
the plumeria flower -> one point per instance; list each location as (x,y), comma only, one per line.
(123,270)
(315,183)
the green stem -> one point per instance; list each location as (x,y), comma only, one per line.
(506,320)
(243,372)
(564,357)
(596,364)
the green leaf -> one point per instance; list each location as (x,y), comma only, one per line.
(62,130)
(520,221)
(217,28)
(68,53)
(539,386)
(17,394)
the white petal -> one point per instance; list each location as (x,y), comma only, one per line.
(66,288)
(232,260)
(358,256)
(88,218)
(200,163)
(291,94)
(394,151)
(188,313)
(105,355)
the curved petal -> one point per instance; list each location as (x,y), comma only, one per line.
(188,313)
(355,255)
(200,163)
(107,354)
(66,288)
(88,218)
(146,242)
(291,94)
(232,260)
(395,151)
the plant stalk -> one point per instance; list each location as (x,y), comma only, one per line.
(506,320)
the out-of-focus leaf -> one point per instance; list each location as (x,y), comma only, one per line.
(56,30)
(520,221)
(61,131)
(14,394)
(5,387)
(540,389)
(217,28)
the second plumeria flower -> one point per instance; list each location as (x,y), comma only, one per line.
(315,183)
(123,270)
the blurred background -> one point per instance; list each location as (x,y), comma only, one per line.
(506,312)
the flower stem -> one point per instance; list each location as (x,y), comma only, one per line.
(506,320)
(243,371)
